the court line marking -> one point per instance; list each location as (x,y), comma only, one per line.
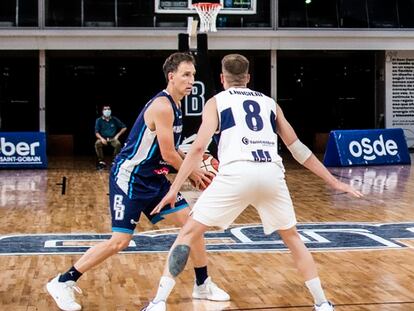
(336,305)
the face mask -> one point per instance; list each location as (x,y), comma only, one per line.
(107,113)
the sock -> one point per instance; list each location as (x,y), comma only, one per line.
(164,289)
(315,288)
(201,275)
(71,275)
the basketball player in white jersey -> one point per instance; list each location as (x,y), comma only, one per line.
(250,172)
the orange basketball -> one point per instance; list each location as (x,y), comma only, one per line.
(209,163)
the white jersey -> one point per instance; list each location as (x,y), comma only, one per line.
(247,127)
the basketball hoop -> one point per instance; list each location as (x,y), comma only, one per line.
(208,14)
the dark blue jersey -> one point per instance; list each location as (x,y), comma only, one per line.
(139,166)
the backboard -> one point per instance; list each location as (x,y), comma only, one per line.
(236,7)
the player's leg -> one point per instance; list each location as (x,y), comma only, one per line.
(218,205)
(101,251)
(204,287)
(306,265)
(179,215)
(176,262)
(198,253)
(276,212)
(63,286)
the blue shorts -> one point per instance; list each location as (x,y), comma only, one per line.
(125,211)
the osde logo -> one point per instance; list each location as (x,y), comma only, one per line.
(370,150)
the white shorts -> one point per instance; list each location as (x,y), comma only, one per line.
(240,184)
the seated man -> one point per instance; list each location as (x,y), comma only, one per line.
(108,129)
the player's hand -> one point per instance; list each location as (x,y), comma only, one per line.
(201,178)
(103,140)
(342,187)
(169,198)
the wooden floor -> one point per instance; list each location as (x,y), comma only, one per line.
(363,265)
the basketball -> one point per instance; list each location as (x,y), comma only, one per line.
(209,163)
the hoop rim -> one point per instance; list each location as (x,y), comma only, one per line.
(206,5)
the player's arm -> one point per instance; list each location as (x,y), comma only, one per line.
(181,153)
(191,161)
(160,118)
(207,129)
(304,156)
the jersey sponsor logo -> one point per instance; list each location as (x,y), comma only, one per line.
(238,238)
(119,207)
(162,171)
(179,198)
(248,141)
(177,128)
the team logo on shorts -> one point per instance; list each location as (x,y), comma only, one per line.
(238,238)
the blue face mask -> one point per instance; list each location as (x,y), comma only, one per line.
(107,113)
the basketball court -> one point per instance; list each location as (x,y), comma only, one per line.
(363,247)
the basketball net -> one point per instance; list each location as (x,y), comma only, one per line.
(208,14)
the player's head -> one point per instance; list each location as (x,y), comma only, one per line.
(173,61)
(234,70)
(179,71)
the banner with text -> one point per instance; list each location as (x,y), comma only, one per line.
(366,147)
(399,85)
(23,150)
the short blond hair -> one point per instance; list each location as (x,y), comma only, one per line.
(235,68)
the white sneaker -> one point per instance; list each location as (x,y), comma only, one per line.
(326,306)
(159,306)
(209,291)
(63,294)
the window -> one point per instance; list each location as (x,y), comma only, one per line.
(28,13)
(316,13)
(382,13)
(322,13)
(292,13)
(353,14)
(8,13)
(18,13)
(406,13)
(63,13)
(19,91)
(135,13)
(99,13)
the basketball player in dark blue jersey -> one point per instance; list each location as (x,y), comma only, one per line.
(137,183)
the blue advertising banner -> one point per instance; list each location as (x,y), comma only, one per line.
(366,147)
(23,150)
